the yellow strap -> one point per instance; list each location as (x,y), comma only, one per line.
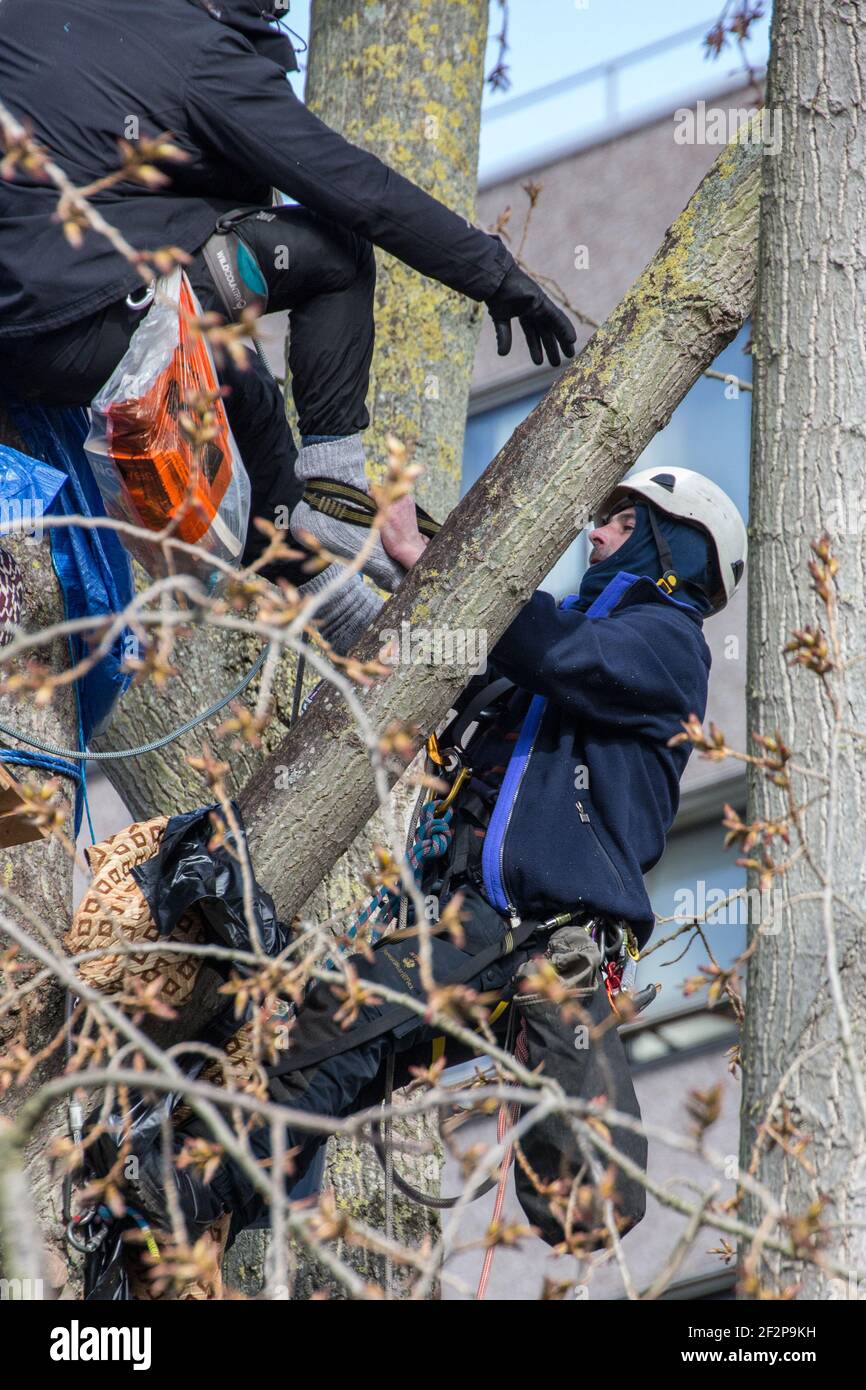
(438,1044)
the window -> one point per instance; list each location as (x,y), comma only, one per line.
(694,873)
(485,435)
(709,431)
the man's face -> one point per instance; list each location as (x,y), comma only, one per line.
(607,539)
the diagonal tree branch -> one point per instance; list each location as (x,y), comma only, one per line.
(314,793)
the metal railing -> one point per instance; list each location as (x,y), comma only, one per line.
(609,72)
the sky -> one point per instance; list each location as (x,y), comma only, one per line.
(553,39)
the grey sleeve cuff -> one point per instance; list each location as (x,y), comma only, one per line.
(349,611)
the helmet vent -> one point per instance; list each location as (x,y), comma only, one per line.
(665,480)
(737,567)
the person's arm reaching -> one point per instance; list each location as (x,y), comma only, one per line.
(242,105)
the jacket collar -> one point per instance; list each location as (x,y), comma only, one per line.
(251,18)
(625,589)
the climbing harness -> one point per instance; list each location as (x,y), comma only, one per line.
(430,829)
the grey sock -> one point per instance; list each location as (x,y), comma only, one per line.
(342,461)
(345,616)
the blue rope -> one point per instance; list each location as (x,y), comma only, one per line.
(81,797)
(432,837)
(59,766)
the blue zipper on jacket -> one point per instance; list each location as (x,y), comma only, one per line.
(493,853)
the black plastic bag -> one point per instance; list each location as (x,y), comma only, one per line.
(106,1276)
(185,874)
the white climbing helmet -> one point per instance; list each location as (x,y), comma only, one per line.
(683,493)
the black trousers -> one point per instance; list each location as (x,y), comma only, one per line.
(352,1077)
(323,275)
(333,1070)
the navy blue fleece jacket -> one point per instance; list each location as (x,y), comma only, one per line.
(591,787)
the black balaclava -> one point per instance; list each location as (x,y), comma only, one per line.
(254,19)
(691,560)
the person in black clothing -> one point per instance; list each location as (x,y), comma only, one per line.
(213,75)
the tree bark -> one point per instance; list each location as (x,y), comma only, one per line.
(40,872)
(405,81)
(806,1013)
(524,511)
(406,84)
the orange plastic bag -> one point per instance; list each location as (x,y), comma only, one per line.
(148,470)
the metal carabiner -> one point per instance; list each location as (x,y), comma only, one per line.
(76,1232)
(139,305)
(463,775)
(612,936)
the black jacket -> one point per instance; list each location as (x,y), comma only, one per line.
(82,74)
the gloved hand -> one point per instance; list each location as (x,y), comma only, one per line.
(547,328)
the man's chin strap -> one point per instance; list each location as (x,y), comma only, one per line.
(668,581)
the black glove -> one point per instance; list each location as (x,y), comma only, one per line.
(547,328)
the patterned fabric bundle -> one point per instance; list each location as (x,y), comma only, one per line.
(10,596)
(114,910)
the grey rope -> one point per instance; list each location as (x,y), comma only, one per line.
(154,744)
(389,1172)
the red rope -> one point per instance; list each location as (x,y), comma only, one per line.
(507,1117)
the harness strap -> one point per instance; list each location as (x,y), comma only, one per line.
(352,504)
(391,1018)
(466,845)
(452,736)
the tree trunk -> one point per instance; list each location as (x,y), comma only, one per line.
(40,872)
(806,1014)
(408,87)
(405,81)
(520,516)
(209,663)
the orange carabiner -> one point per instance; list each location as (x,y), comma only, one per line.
(433,750)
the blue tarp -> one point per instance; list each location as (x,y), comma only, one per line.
(93,569)
(27,490)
